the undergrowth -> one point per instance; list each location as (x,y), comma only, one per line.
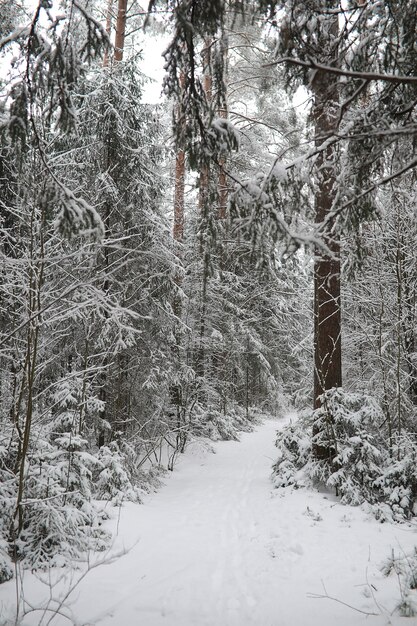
(360,468)
(68,481)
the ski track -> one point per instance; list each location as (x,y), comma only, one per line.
(218,546)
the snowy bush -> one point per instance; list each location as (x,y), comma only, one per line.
(113,481)
(353,436)
(398,481)
(294,451)
(6,565)
(348,425)
(48,516)
(60,521)
(217,425)
(359,468)
(57,534)
(8,490)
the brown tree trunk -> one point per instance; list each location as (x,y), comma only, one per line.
(327,313)
(119,42)
(223,188)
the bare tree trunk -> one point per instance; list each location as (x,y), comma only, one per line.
(327,313)
(223,187)
(36,279)
(119,43)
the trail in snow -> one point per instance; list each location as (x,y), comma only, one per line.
(218,546)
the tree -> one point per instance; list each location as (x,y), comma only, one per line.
(88,268)
(327,312)
(317,44)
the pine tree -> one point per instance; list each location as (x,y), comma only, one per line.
(327,313)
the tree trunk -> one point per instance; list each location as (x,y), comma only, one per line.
(327,314)
(223,188)
(203,199)
(104,383)
(178,235)
(119,42)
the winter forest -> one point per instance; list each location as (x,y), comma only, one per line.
(232,268)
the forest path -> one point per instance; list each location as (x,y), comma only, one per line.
(218,546)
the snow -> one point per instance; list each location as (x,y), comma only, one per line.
(219,546)
(279,171)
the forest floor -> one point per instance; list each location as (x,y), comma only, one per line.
(217,545)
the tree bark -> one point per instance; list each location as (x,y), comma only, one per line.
(119,42)
(327,311)
(222,181)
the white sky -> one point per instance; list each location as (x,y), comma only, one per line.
(153,66)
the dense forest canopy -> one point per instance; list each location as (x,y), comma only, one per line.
(172,271)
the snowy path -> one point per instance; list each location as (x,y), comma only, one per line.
(217,546)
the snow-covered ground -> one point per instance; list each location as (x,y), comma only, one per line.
(218,546)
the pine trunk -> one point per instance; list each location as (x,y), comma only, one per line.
(119,43)
(327,312)
(223,112)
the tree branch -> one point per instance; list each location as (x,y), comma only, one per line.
(313,65)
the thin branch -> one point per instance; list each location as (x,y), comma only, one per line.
(328,597)
(378,183)
(313,65)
